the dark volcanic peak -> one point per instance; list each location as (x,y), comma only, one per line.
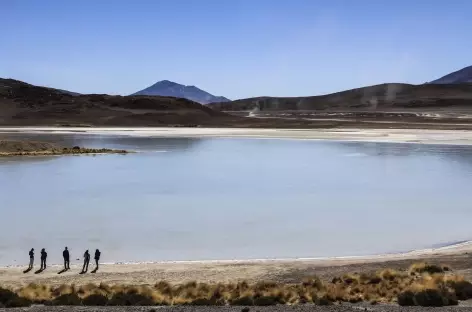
(463,75)
(170,88)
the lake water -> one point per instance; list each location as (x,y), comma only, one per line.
(228,198)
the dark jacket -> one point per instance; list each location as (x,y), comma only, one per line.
(44,255)
(97,255)
(31,254)
(65,254)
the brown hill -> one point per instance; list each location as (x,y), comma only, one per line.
(22,104)
(384,97)
(25,104)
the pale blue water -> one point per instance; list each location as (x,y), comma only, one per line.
(196,199)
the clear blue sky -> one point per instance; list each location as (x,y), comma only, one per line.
(235,48)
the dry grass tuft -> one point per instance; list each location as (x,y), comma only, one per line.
(424,267)
(36,293)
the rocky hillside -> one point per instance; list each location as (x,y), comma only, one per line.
(169,88)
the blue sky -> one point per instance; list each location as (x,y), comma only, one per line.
(238,48)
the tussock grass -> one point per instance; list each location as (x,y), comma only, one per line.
(422,284)
(424,267)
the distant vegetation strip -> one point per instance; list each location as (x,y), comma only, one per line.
(422,284)
(31,148)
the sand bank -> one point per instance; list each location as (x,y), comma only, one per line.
(455,137)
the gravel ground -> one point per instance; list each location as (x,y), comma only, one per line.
(299,308)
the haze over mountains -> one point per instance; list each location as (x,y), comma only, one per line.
(170,88)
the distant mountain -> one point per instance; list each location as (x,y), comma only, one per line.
(461,76)
(169,88)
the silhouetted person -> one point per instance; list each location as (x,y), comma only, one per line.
(86,261)
(66,256)
(31,255)
(44,256)
(97,258)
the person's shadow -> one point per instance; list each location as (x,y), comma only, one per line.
(62,271)
(39,271)
(27,270)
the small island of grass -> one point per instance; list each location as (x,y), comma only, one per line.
(33,148)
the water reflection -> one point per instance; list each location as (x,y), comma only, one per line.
(446,152)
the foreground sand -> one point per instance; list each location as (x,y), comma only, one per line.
(459,257)
(456,137)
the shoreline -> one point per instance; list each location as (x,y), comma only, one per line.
(456,255)
(412,136)
(451,249)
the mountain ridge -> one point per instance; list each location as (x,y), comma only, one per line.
(174,89)
(385,96)
(463,75)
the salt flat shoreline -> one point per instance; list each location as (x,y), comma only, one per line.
(451,249)
(280,270)
(425,136)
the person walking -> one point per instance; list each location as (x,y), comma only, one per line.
(97,258)
(44,256)
(31,256)
(66,256)
(86,261)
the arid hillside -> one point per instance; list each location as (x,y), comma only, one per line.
(384,97)
(25,104)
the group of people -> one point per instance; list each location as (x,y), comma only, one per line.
(66,256)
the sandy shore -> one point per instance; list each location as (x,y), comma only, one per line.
(456,137)
(458,256)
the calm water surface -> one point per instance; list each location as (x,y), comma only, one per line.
(213,198)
